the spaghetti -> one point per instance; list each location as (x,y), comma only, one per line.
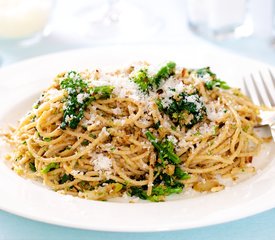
(141,131)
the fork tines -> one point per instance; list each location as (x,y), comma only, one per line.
(261,88)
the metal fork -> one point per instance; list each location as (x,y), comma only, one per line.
(262,92)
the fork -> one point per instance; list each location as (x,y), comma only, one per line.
(263,94)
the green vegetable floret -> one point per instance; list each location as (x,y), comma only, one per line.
(147,83)
(164,73)
(166,182)
(214,82)
(101,92)
(164,185)
(184,109)
(142,79)
(80,95)
(165,149)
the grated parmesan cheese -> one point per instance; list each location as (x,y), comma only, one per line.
(104,132)
(101,162)
(81,97)
(76,172)
(117,111)
(172,139)
(123,87)
(212,113)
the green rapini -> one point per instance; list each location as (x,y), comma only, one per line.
(180,109)
(214,82)
(65,178)
(147,83)
(164,184)
(80,95)
(165,149)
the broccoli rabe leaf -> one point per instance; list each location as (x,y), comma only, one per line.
(65,178)
(165,149)
(163,185)
(73,82)
(214,82)
(74,110)
(202,71)
(180,174)
(142,80)
(139,192)
(185,110)
(165,190)
(147,83)
(165,182)
(158,192)
(79,97)
(101,92)
(164,73)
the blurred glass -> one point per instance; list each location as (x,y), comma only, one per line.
(23,20)
(220,19)
(111,20)
(273,24)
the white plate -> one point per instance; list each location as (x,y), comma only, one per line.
(21,83)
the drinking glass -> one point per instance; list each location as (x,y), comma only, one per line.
(22,23)
(112,19)
(23,19)
(220,19)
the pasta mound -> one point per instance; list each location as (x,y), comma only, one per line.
(143,130)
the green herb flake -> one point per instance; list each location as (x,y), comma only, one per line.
(198,133)
(92,135)
(245,128)
(215,129)
(85,142)
(47,139)
(50,167)
(32,166)
(173,128)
